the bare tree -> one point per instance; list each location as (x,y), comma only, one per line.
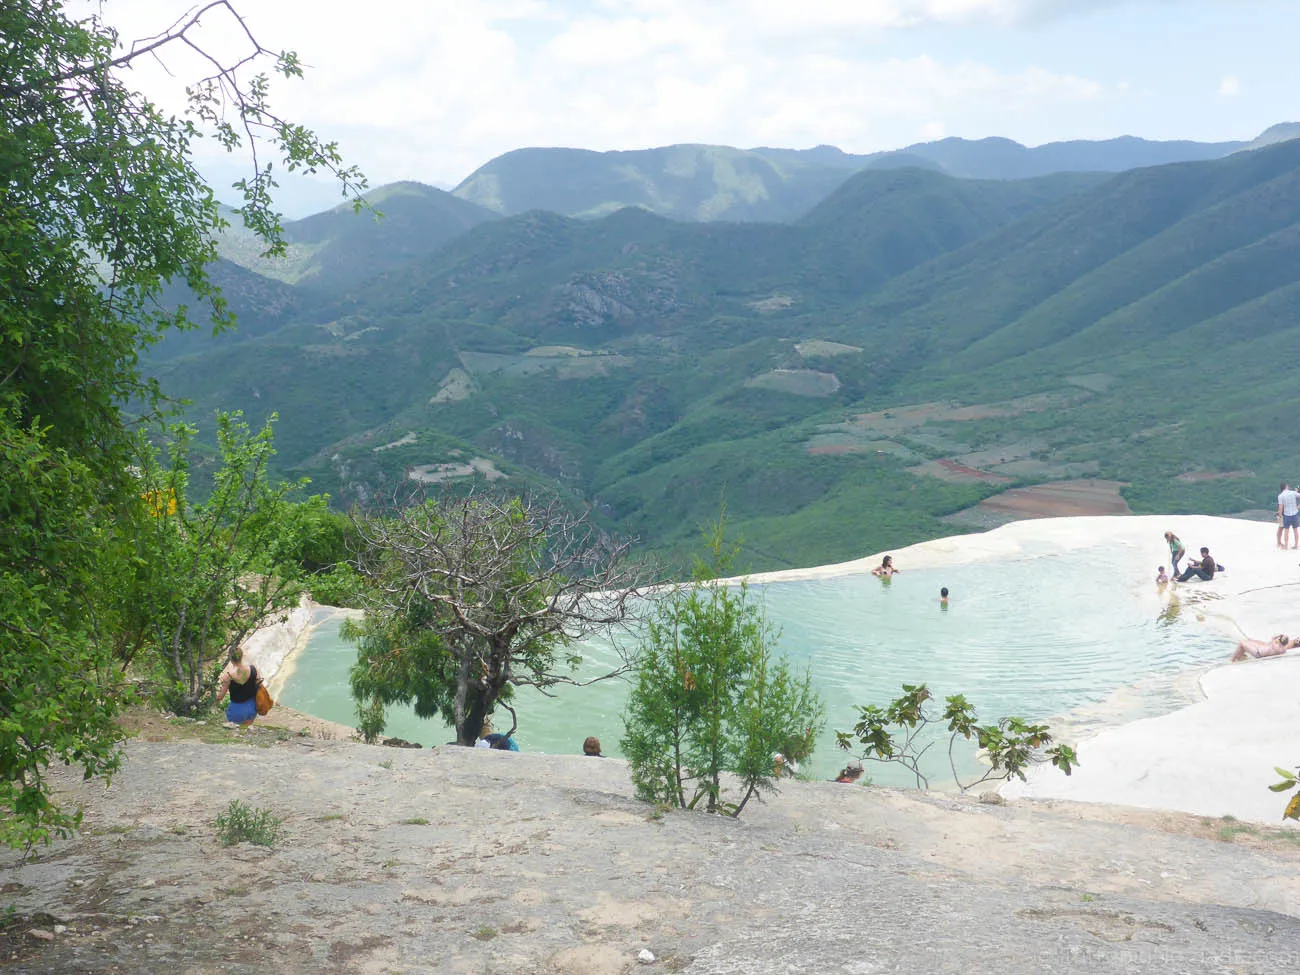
(469,597)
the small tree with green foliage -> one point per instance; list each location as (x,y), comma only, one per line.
(906,729)
(221,568)
(322,544)
(469,597)
(710,698)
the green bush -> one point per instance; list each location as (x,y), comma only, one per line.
(246,824)
(337,586)
(709,697)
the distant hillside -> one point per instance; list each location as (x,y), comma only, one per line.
(1282,132)
(911,345)
(260,305)
(649,318)
(703,183)
(335,250)
(1005,159)
(687,182)
(1174,291)
(541,274)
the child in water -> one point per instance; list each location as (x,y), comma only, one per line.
(943,597)
(1161,577)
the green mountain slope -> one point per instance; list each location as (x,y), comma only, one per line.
(260,305)
(703,183)
(333,251)
(687,182)
(849,380)
(1069,266)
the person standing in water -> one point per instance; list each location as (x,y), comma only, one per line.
(885,569)
(1176,550)
(943,597)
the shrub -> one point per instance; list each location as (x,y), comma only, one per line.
(246,824)
(709,697)
(898,733)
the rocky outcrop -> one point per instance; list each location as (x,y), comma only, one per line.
(473,860)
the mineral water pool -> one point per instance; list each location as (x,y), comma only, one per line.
(1060,636)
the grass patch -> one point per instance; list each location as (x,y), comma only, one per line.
(416,821)
(1231,828)
(246,824)
(485,933)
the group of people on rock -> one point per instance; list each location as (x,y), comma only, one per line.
(1203,568)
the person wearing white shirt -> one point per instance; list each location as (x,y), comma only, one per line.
(1288,509)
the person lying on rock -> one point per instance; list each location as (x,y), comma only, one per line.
(1254,649)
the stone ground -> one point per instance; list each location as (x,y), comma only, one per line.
(471,861)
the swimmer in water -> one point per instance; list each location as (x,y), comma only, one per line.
(885,569)
(943,597)
(1162,578)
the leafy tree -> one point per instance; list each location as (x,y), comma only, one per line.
(902,733)
(218,569)
(59,692)
(710,697)
(323,545)
(468,597)
(100,206)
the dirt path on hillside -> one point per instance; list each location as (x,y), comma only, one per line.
(473,861)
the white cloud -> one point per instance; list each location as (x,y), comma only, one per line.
(932,131)
(431,89)
(1230,86)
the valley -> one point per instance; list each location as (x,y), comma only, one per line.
(861,375)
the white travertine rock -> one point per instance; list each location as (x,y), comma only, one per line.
(1215,757)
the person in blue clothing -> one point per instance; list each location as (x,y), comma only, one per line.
(493,739)
(240,680)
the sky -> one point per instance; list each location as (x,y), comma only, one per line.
(432,89)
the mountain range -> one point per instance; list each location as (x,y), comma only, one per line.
(700,182)
(908,344)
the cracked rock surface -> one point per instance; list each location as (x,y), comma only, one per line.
(477,861)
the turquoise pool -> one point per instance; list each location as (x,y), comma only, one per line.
(1040,637)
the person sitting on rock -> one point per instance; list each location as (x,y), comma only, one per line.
(490,739)
(1204,569)
(850,774)
(592,747)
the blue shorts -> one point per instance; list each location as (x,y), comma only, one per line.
(1291,521)
(237,712)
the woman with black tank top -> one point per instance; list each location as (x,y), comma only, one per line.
(241,680)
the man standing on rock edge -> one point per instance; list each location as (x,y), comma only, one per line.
(1288,508)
